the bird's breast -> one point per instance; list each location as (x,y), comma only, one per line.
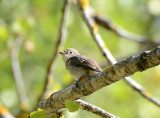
(76,72)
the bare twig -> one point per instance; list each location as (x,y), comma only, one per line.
(86,14)
(112,74)
(17,71)
(61,37)
(91,108)
(94,109)
(4,112)
(108,24)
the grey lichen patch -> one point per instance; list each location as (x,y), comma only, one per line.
(105,78)
(127,70)
(129,65)
(157,51)
(142,63)
(85,91)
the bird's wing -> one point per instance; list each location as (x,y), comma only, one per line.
(85,62)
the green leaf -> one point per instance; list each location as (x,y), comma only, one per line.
(72,106)
(41,114)
(38,114)
(53,116)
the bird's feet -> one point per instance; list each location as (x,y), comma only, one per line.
(80,81)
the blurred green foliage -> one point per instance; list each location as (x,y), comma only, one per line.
(38,22)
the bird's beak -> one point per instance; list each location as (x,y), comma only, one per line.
(61,53)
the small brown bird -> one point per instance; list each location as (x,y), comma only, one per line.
(79,66)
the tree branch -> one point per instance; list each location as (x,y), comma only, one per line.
(108,24)
(17,71)
(112,74)
(94,109)
(86,14)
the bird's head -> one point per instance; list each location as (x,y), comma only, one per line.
(69,53)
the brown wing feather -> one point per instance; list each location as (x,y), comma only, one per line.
(85,62)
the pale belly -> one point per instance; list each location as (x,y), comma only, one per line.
(78,72)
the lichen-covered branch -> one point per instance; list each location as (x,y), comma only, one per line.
(60,40)
(86,14)
(108,24)
(94,109)
(112,74)
(17,71)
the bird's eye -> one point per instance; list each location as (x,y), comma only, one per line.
(70,52)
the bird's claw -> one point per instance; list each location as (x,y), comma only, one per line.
(78,83)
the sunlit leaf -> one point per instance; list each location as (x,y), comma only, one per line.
(3,32)
(72,106)
(42,114)
(38,114)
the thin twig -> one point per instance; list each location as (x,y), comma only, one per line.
(17,71)
(127,67)
(4,112)
(60,40)
(94,109)
(108,24)
(86,14)
(91,108)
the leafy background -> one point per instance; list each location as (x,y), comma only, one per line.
(38,22)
